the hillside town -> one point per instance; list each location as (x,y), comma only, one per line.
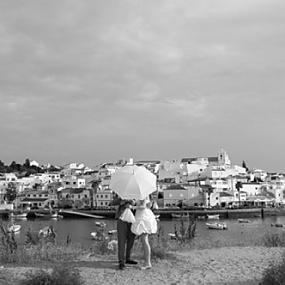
(210,182)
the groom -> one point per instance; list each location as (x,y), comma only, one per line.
(125,237)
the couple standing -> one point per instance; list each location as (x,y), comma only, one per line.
(128,227)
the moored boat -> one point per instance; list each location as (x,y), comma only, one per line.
(100,224)
(243,221)
(213,217)
(180,216)
(20,216)
(217,226)
(47,231)
(14,228)
(48,215)
(278,225)
(112,232)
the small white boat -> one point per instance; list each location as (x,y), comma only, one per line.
(213,217)
(278,225)
(93,235)
(217,226)
(100,224)
(112,232)
(201,217)
(243,221)
(56,216)
(172,236)
(22,216)
(47,231)
(13,228)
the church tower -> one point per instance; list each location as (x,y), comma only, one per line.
(223,158)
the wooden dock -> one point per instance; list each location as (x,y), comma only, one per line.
(79,214)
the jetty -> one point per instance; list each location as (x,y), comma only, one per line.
(79,214)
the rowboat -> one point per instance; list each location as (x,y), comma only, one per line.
(100,224)
(180,216)
(112,232)
(47,231)
(48,215)
(21,216)
(13,228)
(217,226)
(278,225)
(243,221)
(213,217)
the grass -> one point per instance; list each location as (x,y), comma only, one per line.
(274,274)
(274,240)
(59,275)
(44,253)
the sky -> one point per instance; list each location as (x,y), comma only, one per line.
(96,81)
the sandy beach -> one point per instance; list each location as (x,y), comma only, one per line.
(228,265)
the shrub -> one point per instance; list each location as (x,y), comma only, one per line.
(159,245)
(274,274)
(60,275)
(274,240)
(186,230)
(8,246)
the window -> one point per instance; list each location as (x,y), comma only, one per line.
(106,196)
(101,196)
(40,195)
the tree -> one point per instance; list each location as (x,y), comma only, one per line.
(27,163)
(11,192)
(2,167)
(95,187)
(244,165)
(238,187)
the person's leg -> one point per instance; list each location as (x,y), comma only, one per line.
(122,237)
(130,242)
(147,250)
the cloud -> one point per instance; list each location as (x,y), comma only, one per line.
(107,70)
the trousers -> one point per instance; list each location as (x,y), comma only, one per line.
(125,241)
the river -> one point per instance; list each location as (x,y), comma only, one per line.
(237,233)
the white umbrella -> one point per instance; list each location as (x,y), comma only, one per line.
(133,182)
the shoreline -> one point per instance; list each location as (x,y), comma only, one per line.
(165,213)
(226,265)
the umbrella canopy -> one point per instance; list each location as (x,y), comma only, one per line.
(133,182)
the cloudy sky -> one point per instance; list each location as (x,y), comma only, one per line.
(95,80)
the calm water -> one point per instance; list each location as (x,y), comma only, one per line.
(238,233)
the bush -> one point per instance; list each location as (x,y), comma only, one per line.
(274,274)
(186,230)
(60,275)
(274,240)
(8,246)
(159,245)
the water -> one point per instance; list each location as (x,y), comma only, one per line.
(237,234)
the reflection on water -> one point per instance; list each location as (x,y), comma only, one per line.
(237,234)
